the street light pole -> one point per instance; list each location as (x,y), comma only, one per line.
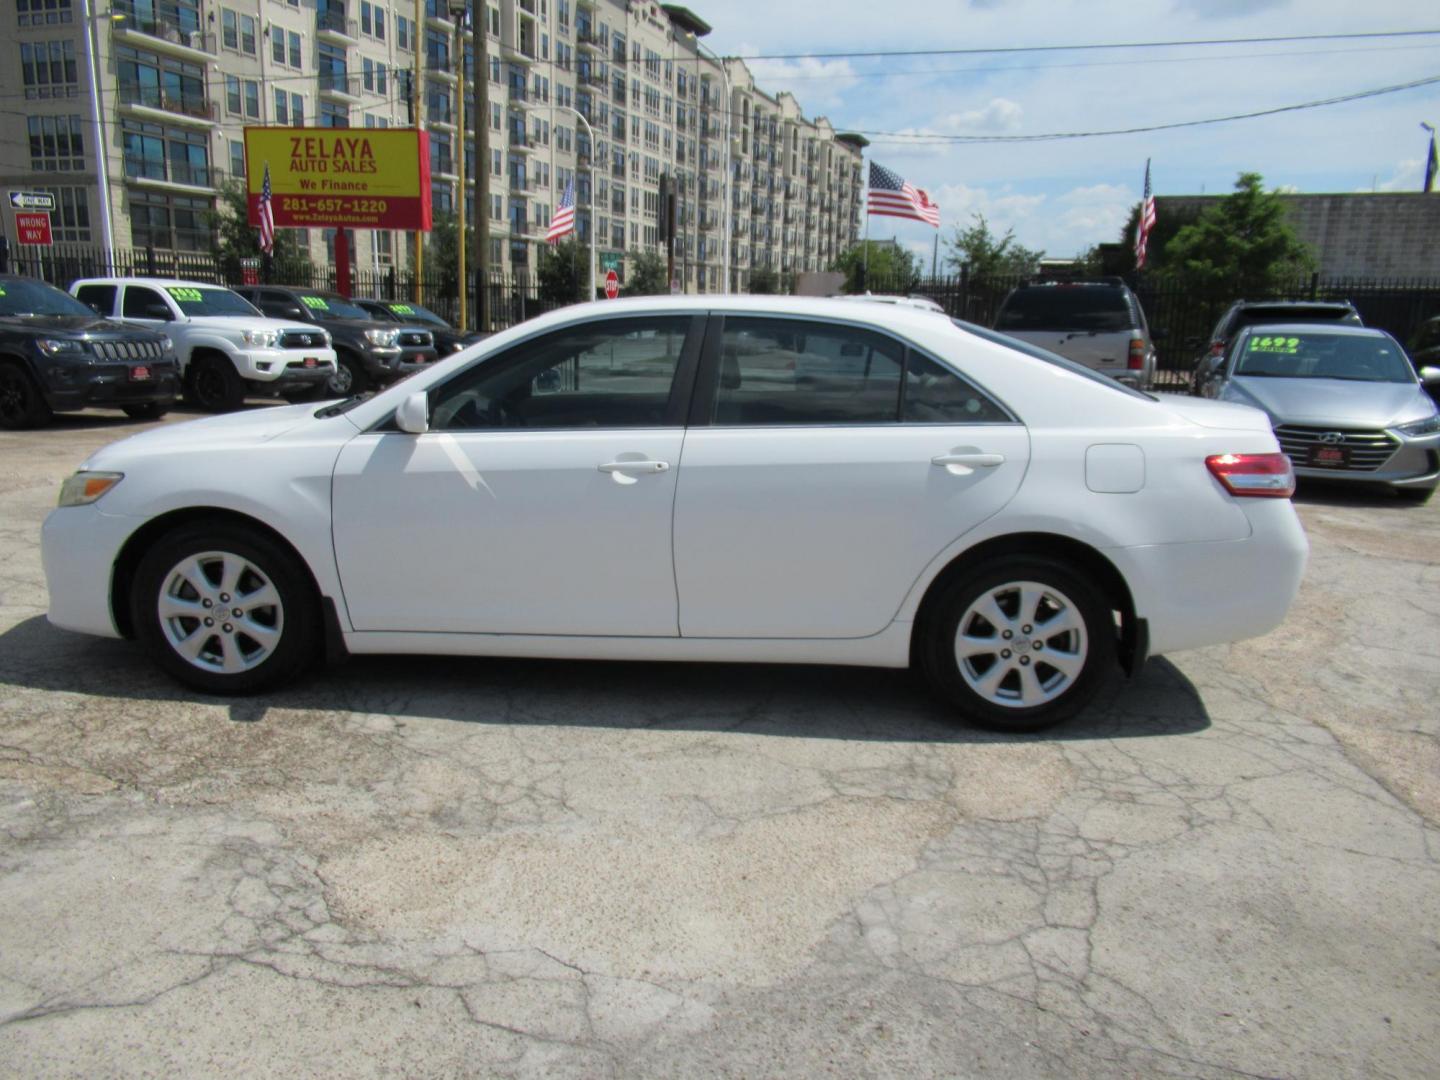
(478,29)
(97,137)
(457,12)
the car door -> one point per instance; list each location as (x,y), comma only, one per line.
(99,298)
(540,500)
(817,483)
(147,306)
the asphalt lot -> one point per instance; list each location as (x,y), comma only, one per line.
(1229,867)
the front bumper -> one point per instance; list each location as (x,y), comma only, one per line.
(1414,464)
(286,366)
(389,365)
(79,386)
(78,549)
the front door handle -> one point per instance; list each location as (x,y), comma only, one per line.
(980,460)
(634,467)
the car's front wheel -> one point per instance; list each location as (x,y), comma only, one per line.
(214,385)
(22,405)
(1019,643)
(349,377)
(225,609)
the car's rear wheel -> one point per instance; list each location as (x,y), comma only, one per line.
(152,410)
(214,385)
(22,405)
(225,609)
(1018,644)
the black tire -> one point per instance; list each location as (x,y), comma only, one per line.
(22,405)
(1094,651)
(293,631)
(1414,495)
(152,410)
(212,384)
(349,378)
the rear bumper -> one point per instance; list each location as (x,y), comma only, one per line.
(1192,595)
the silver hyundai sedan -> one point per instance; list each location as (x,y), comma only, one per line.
(1344,401)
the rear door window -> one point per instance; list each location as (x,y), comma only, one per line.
(1066,307)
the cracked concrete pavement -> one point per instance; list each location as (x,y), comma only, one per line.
(1229,867)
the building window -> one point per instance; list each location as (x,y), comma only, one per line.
(237,155)
(172,222)
(252,99)
(282,107)
(55,144)
(404,37)
(229,29)
(334,115)
(49,69)
(43,12)
(384,246)
(176,155)
(70,220)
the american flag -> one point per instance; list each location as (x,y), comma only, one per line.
(892,196)
(1147,221)
(267,216)
(564,220)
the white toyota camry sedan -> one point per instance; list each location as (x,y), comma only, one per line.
(699,478)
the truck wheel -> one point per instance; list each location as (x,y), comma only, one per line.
(349,377)
(213,385)
(21,403)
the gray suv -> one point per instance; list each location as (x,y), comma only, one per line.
(1095,323)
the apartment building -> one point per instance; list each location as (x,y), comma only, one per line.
(609,94)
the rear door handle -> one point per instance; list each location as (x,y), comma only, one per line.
(980,460)
(634,467)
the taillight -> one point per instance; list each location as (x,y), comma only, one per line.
(1137,354)
(1263,476)
(1217,348)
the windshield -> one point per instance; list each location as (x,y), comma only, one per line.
(1050,358)
(333,307)
(1066,307)
(37,298)
(195,301)
(1323,356)
(408,312)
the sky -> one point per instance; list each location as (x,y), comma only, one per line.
(1063,196)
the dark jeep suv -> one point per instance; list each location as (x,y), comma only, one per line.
(368,353)
(57,355)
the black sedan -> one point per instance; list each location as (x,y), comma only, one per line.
(57,355)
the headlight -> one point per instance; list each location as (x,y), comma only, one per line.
(85,487)
(1429,426)
(261,339)
(61,346)
(382,337)
(457,346)
(167,343)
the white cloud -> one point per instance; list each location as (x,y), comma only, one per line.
(1001,114)
(1409,175)
(817,83)
(1227,9)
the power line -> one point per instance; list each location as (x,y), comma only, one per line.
(996,50)
(937,139)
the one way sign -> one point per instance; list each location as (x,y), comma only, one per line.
(32,200)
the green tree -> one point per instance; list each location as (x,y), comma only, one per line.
(442,254)
(236,238)
(764,281)
(645,275)
(564,271)
(1120,257)
(1242,246)
(891,267)
(987,255)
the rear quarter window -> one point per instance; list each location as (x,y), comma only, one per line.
(99,297)
(1076,307)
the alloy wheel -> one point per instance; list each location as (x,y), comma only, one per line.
(1021,644)
(220,612)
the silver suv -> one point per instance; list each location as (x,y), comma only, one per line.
(1096,323)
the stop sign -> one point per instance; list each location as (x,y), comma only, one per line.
(612,284)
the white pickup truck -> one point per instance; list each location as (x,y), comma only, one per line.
(226,347)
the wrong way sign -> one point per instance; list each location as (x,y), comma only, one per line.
(32,200)
(34,228)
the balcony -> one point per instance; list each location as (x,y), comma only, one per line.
(334,26)
(520,226)
(521,182)
(592,77)
(586,39)
(521,52)
(154,103)
(518,141)
(339,85)
(169,28)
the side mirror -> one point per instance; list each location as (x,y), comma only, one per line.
(1430,376)
(413,415)
(292,311)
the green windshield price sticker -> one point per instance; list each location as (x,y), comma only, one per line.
(315,303)
(191,295)
(402,309)
(1275,344)
(2,290)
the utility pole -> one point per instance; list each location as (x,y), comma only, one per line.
(417,34)
(478,19)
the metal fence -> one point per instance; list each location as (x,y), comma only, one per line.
(512,298)
(1184,318)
